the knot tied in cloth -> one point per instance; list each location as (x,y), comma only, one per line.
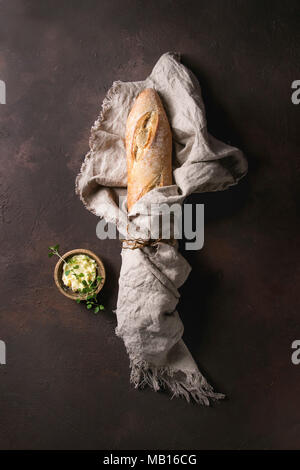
(150,276)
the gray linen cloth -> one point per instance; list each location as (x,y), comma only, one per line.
(148,321)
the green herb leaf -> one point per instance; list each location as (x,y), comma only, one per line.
(89,306)
(101,307)
(67,273)
(99,278)
(96,310)
(50,254)
(78,301)
(81,275)
(77,266)
(84,282)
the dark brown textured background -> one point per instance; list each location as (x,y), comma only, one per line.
(66,383)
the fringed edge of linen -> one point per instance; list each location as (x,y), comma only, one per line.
(106,104)
(188,385)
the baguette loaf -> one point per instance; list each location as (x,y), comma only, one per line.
(148,146)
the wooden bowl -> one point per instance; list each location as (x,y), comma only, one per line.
(58,272)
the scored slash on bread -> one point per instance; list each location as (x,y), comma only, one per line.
(144,133)
(148,146)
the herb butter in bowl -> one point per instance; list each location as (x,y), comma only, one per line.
(79,272)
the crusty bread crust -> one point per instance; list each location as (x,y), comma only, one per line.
(148,146)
